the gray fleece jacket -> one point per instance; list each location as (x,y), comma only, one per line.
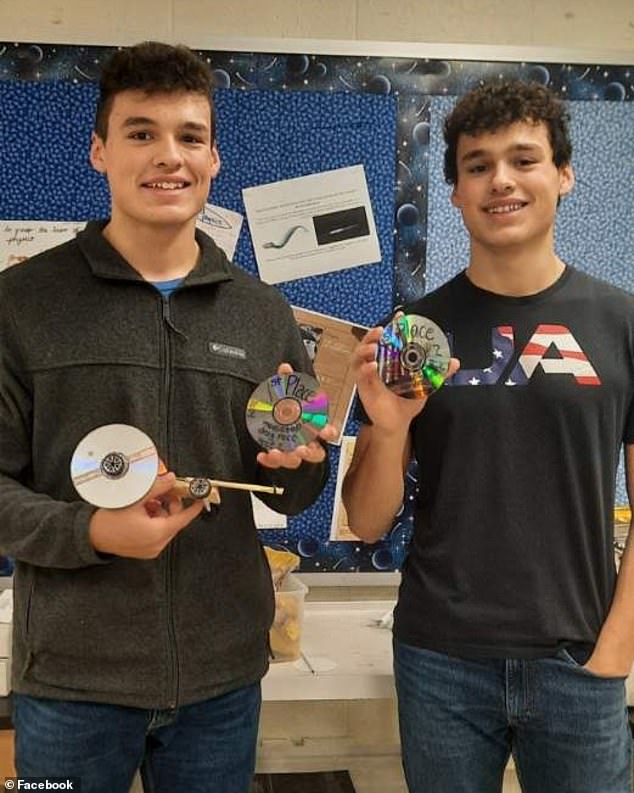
(84,341)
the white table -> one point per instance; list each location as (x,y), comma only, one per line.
(346,655)
(351,658)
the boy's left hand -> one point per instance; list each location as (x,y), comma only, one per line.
(312,452)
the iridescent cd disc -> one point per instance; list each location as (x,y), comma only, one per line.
(413,356)
(114,466)
(286,411)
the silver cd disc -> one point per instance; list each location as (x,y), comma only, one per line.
(114,466)
(287,411)
(413,356)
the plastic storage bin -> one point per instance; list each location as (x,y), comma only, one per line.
(286,631)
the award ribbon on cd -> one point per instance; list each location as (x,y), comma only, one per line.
(114,466)
(413,356)
(287,411)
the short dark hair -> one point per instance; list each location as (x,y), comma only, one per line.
(498,104)
(152,67)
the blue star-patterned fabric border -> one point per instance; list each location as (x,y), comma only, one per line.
(405,94)
(412,82)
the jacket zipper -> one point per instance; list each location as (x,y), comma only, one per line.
(173,676)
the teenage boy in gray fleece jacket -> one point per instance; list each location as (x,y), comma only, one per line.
(141,634)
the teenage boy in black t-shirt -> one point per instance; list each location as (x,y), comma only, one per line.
(512,632)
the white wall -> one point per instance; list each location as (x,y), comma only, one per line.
(569,24)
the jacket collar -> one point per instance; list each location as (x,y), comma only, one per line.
(106,262)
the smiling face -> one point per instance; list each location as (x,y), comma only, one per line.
(158,157)
(508,186)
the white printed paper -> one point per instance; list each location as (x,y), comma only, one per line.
(222,225)
(21,239)
(311,225)
(266,518)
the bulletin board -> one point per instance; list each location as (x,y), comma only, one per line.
(282,115)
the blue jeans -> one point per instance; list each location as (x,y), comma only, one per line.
(460,720)
(208,747)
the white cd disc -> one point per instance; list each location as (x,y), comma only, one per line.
(114,466)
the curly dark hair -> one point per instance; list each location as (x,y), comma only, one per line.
(500,103)
(152,67)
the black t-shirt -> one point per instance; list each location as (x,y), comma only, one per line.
(512,550)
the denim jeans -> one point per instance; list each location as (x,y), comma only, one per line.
(208,747)
(460,720)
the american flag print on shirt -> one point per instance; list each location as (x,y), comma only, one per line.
(571,359)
